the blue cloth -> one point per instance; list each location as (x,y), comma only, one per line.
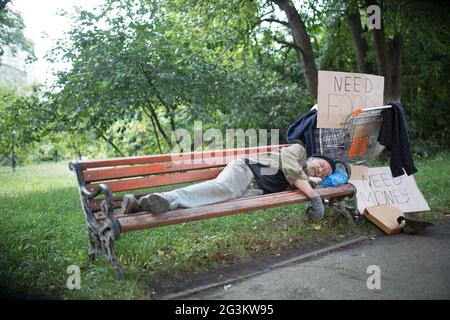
(335,179)
(303,129)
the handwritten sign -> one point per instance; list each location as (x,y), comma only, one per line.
(358,172)
(379,188)
(340,93)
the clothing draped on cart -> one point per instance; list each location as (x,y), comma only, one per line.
(303,129)
(394,136)
(326,141)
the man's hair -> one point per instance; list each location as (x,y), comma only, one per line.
(328,159)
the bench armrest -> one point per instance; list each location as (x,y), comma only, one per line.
(102,188)
(110,224)
(107,204)
(91,194)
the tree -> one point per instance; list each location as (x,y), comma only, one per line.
(21,123)
(302,42)
(166,63)
(359,42)
(11,31)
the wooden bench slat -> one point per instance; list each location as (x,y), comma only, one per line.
(161,180)
(117,211)
(148,220)
(170,157)
(155,168)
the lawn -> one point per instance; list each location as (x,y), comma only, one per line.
(43,232)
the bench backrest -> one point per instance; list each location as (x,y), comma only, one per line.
(133,173)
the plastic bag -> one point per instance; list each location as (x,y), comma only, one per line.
(335,179)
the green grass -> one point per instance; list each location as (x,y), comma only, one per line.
(42,232)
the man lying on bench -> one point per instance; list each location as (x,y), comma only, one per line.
(268,173)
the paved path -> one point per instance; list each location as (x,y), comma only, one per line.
(411,267)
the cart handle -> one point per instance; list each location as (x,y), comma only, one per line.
(361,110)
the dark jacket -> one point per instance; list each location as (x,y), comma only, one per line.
(303,129)
(394,136)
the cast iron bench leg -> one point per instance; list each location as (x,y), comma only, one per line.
(94,245)
(109,251)
(102,242)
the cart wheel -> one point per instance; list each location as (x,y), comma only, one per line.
(341,209)
(360,219)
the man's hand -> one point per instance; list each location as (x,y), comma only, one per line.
(318,207)
(316,180)
(316,202)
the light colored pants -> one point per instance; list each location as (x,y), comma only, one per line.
(235,181)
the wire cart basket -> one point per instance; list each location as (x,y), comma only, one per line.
(355,143)
(363,127)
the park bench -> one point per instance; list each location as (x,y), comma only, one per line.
(102,183)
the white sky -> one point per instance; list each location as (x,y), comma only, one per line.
(40,17)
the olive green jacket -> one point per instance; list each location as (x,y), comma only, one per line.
(292,160)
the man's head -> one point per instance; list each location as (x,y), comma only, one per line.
(319,166)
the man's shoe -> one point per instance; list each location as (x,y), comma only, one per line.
(154,202)
(129,204)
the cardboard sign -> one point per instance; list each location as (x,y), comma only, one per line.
(339,93)
(384,217)
(358,172)
(379,188)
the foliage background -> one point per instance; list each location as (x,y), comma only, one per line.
(143,68)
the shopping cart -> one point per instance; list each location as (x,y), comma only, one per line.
(363,127)
(356,143)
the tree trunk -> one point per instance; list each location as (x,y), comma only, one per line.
(169,113)
(156,133)
(383,60)
(396,55)
(302,41)
(14,159)
(154,116)
(389,58)
(169,108)
(359,43)
(108,140)
(77,148)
